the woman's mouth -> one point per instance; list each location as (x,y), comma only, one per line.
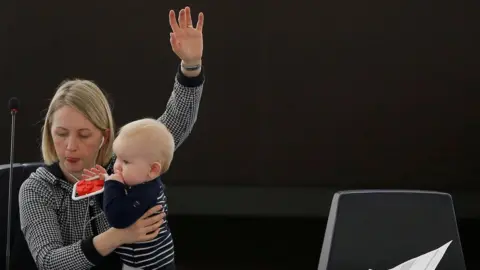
(72,160)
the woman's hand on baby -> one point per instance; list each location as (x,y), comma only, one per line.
(145,228)
(95,171)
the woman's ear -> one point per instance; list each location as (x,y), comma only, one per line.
(106,135)
(155,170)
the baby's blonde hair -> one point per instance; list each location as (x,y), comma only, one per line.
(153,134)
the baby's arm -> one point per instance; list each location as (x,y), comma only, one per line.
(122,209)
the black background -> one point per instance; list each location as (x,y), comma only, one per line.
(298,93)
(325,95)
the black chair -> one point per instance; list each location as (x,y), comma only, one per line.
(20,256)
(380,229)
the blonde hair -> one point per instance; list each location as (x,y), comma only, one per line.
(158,140)
(86,97)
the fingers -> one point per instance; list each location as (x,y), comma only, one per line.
(93,171)
(188,17)
(151,211)
(88,173)
(173,21)
(151,227)
(157,219)
(182,19)
(100,169)
(200,22)
(150,236)
(154,226)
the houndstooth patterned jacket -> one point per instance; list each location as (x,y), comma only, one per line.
(59,231)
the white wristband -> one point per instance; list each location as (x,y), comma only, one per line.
(191,68)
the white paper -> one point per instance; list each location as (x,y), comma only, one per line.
(427,261)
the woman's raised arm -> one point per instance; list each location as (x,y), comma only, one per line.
(182,107)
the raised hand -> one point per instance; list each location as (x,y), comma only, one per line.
(186,40)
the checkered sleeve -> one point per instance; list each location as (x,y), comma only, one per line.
(41,228)
(182,107)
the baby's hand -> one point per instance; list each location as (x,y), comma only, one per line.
(117,176)
(96,171)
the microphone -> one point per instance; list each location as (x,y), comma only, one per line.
(13,105)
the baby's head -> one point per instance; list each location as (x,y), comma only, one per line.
(144,150)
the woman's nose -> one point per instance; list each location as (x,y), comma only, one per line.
(72,143)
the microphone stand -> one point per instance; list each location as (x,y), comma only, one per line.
(10,180)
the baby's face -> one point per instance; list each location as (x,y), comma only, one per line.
(131,164)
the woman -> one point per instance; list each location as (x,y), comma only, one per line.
(78,133)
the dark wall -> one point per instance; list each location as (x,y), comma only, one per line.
(298,93)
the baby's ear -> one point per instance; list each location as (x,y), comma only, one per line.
(155,169)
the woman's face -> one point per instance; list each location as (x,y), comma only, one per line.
(77,141)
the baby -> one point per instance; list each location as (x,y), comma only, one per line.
(144,150)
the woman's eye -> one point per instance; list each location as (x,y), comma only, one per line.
(62,134)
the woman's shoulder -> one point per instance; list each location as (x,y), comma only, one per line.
(40,191)
(41,178)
